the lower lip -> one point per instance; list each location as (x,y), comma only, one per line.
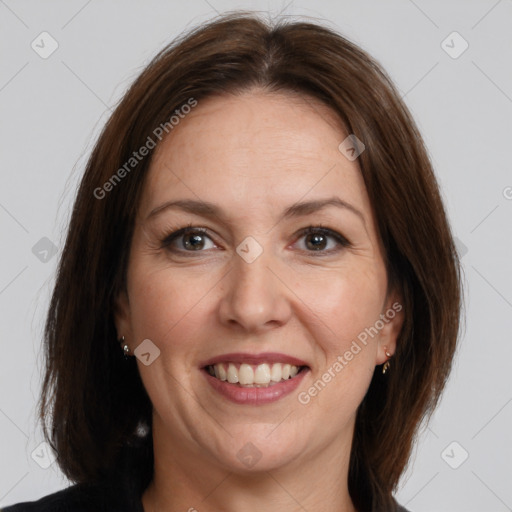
(255,396)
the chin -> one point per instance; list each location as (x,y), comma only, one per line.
(254,453)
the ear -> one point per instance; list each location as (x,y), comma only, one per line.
(392,317)
(122,317)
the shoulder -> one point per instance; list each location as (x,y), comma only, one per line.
(119,492)
(73,498)
(79,498)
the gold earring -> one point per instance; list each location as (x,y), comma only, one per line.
(126,348)
(387,364)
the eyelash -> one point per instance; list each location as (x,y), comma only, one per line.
(316,230)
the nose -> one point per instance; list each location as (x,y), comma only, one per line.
(255,296)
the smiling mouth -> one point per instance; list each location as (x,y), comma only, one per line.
(254,376)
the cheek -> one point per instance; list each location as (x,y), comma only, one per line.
(165,304)
(348,304)
(168,308)
(347,301)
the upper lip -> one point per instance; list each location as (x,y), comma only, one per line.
(266,357)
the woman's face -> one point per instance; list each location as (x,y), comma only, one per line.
(253,289)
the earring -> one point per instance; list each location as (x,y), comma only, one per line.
(126,348)
(387,364)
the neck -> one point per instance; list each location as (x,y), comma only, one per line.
(188,481)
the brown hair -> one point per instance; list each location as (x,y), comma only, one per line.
(97,399)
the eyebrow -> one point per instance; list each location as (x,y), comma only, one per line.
(206,209)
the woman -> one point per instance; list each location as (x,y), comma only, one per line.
(258,299)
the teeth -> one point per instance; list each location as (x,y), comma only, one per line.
(232,375)
(223,375)
(262,374)
(276,373)
(249,375)
(245,374)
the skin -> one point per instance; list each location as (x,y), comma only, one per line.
(254,155)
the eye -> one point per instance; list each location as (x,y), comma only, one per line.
(317,240)
(189,239)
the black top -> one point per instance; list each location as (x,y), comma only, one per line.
(121,492)
(79,498)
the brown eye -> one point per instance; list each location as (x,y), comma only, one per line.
(322,241)
(188,239)
(193,241)
(316,241)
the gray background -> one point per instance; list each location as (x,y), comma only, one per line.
(52,110)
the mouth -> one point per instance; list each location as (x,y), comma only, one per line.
(254,379)
(248,375)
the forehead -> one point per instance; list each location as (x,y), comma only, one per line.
(257,149)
